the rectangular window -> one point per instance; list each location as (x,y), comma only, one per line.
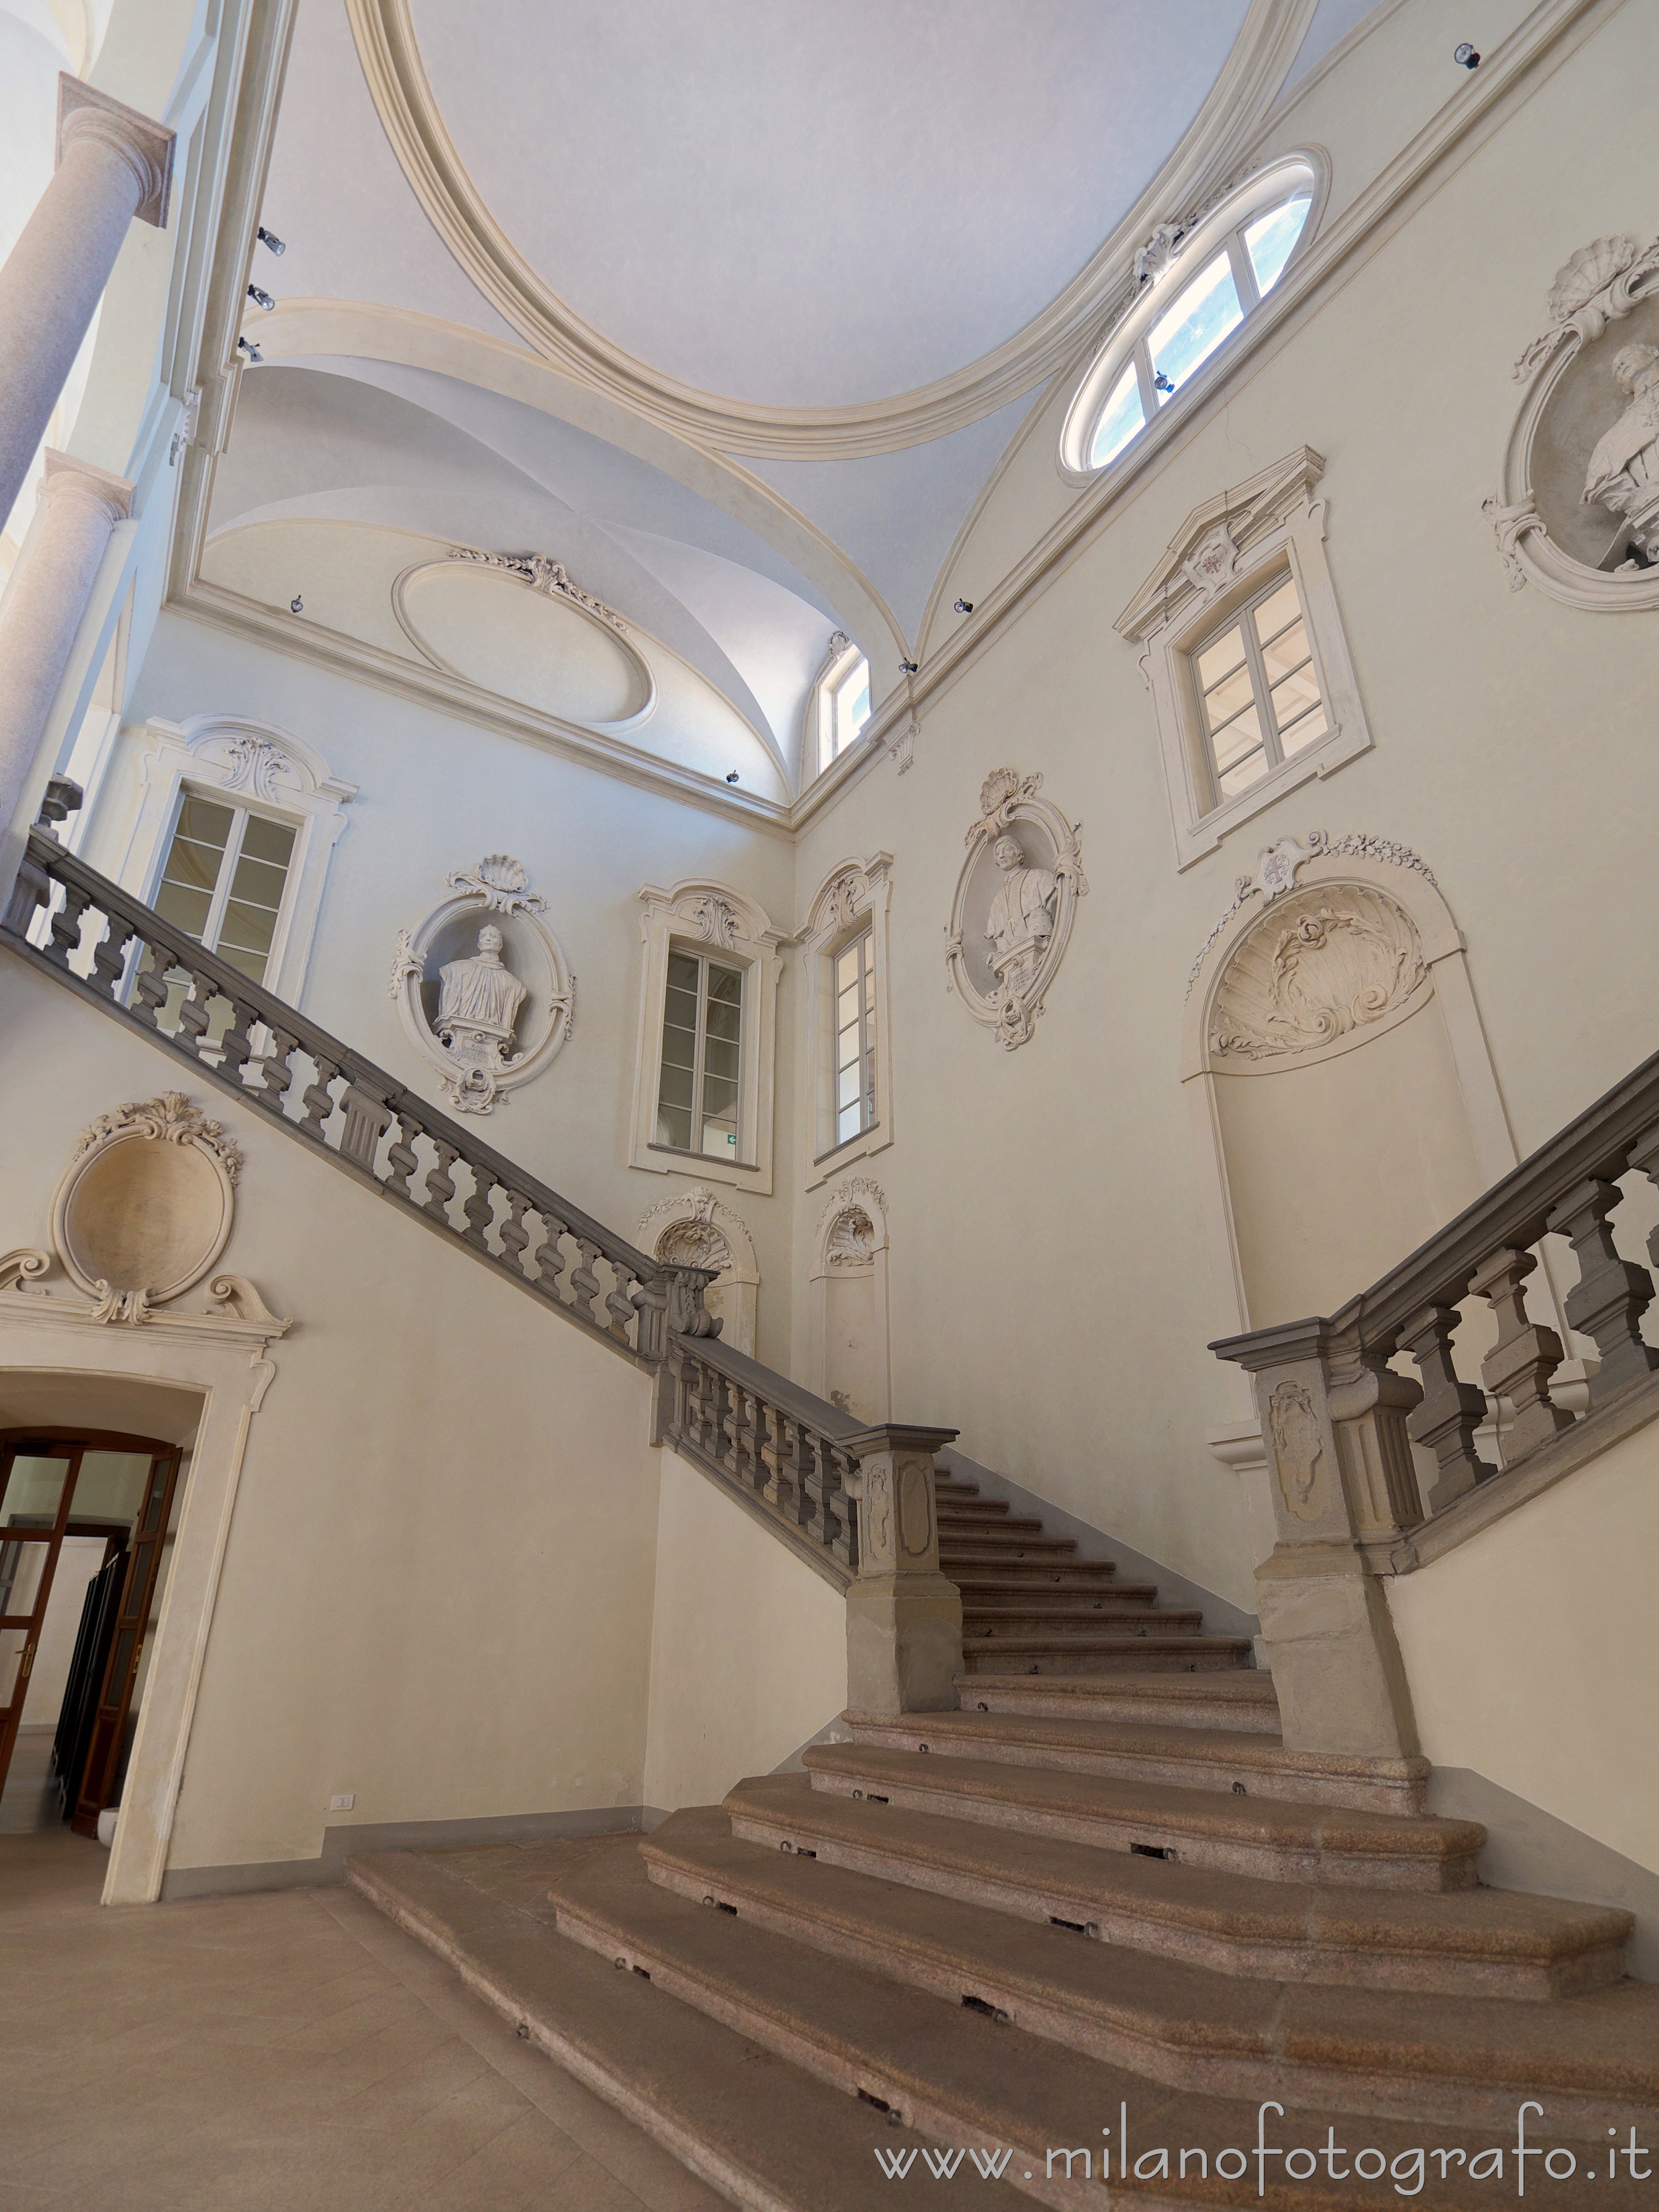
(701,1044)
(855,1037)
(223,880)
(1258,691)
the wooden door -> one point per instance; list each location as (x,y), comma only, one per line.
(37,1480)
(131,1624)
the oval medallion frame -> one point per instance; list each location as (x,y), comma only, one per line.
(494,893)
(147,1205)
(1003,987)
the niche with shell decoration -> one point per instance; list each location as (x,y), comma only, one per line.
(851,1354)
(696,1229)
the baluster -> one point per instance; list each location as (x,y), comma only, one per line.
(699,1403)
(1519,1365)
(316,1098)
(777,1490)
(193,1013)
(1451,1410)
(479,1207)
(618,1305)
(401,1158)
(439,1188)
(1644,1159)
(717,1401)
(152,987)
(837,1527)
(236,1045)
(275,1074)
(548,1258)
(739,1425)
(31,891)
(1610,1295)
(109,954)
(585,1282)
(513,1234)
(65,936)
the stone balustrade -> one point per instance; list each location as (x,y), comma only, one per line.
(1339,1422)
(856,1503)
(131,962)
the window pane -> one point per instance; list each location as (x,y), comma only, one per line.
(265,839)
(203,822)
(683,970)
(675,1089)
(851,704)
(247,928)
(847,968)
(1123,416)
(674,1127)
(1295,696)
(1240,736)
(1298,736)
(1281,606)
(1271,239)
(187,910)
(1228,696)
(1289,650)
(1191,330)
(847,1047)
(1249,770)
(1215,660)
(721,1057)
(847,1088)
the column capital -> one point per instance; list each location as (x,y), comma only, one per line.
(84,113)
(64,474)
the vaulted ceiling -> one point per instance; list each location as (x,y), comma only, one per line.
(732,308)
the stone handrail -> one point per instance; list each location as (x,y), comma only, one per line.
(1338,1425)
(1568,1187)
(122,955)
(856,1503)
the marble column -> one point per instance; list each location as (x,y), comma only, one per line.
(44,603)
(114,164)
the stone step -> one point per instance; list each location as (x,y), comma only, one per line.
(1274,1837)
(1239,1700)
(1017,1577)
(1105,1653)
(994,1544)
(963,1505)
(764,2134)
(1139,1751)
(953,1525)
(1181,2024)
(1077,1618)
(1463,1942)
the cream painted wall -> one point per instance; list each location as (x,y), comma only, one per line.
(435,795)
(1532,1650)
(1052,1287)
(748,1646)
(437,1591)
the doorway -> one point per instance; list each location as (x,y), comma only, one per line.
(87,1524)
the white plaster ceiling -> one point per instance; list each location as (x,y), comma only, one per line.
(808,206)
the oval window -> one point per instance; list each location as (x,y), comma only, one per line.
(1224,266)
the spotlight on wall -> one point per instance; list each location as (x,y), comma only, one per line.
(270,238)
(247,346)
(296,605)
(732,777)
(909,667)
(1161,383)
(964,606)
(260,299)
(1466,57)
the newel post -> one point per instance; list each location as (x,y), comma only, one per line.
(1344,1492)
(904,1616)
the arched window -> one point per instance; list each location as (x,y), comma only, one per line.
(1198,286)
(841,699)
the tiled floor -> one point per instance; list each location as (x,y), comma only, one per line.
(291,2051)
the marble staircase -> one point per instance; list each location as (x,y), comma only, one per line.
(1100,1893)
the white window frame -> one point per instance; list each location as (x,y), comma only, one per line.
(1221,229)
(855,896)
(1229,551)
(704,917)
(256,769)
(841,668)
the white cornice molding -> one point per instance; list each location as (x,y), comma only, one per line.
(386,46)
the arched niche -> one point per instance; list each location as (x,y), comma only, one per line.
(1343,1098)
(696,1229)
(852,1365)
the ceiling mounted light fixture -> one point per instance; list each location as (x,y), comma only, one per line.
(247,346)
(270,238)
(296,605)
(1467,56)
(260,299)
(909,667)
(732,777)
(964,606)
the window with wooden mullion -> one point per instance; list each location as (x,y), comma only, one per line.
(855,1041)
(224,878)
(700,1073)
(1258,689)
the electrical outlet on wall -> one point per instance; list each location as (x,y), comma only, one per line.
(343,1804)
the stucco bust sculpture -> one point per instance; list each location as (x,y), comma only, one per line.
(478,1002)
(1623,469)
(1021,919)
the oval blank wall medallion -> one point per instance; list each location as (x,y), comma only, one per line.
(148,1201)
(496,630)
